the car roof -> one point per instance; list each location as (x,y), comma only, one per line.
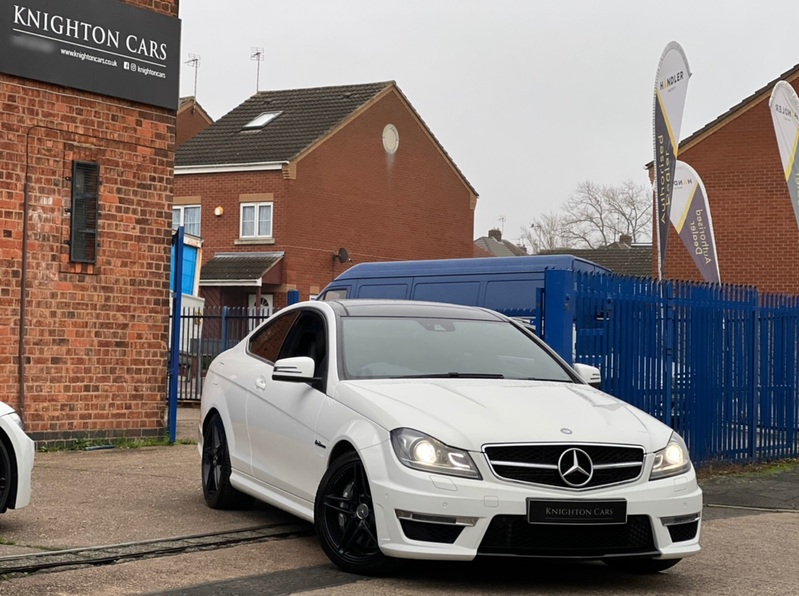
(410,308)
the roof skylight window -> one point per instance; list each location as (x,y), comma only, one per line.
(261,120)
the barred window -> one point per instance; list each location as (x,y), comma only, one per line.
(85,199)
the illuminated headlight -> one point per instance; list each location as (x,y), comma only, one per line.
(671,460)
(422,452)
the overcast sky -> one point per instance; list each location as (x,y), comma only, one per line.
(529,97)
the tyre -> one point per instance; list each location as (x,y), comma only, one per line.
(344,519)
(641,566)
(217,490)
(6,477)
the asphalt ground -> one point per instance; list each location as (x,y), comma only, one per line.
(133,521)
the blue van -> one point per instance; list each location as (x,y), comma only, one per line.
(510,285)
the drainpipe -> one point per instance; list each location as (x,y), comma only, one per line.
(22,300)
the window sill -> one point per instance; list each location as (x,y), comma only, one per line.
(251,241)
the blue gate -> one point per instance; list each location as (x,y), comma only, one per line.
(718,363)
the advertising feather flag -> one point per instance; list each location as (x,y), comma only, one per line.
(690,216)
(784,106)
(671,86)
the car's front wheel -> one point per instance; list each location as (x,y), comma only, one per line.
(641,566)
(6,472)
(344,518)
(217,490)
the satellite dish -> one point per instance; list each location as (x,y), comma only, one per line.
(342,255)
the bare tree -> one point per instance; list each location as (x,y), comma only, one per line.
(545,233)
(596,215)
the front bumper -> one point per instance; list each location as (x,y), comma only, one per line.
(428,516)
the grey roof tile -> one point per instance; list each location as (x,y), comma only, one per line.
(635,260)
(238,266)
(307,115)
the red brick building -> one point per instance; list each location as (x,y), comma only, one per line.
(737,157)
(192,119)
(85,199)
(284,181)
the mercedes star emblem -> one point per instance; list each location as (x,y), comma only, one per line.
(575,467)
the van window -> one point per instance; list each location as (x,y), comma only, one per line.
(397,291)
(512,296)
(334,294)
(463,292)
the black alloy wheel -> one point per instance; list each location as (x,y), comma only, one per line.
(6,477)
(217,490)
(344,518)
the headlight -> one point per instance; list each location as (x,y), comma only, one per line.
(422,452)
(671,460)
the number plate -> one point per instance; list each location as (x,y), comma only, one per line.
(546,511)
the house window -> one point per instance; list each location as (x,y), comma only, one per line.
(256,220)
(261,121)
(85,198)
(187,216)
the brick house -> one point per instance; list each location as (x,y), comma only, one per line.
(287,179)
(737,157)
(192,119)
(85,199)
(622,257)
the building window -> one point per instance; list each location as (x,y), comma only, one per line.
(85,199)
(261,121)
(256,220)
(187,216)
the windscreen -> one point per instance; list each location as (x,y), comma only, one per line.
(405,347)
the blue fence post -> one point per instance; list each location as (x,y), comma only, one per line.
(559,312)
(754,389)
(174,355)
(668,352)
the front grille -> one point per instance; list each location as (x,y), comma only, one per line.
(429,532)
(683,532)
(538,464)
(512,535)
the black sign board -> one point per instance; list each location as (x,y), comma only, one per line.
(102,46)
(543,511)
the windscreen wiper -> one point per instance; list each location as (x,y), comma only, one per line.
(452,375)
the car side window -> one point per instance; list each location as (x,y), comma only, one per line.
(266,342)
(308,337)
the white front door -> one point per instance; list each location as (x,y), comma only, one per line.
(267,307)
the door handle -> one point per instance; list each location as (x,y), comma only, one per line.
(260,383)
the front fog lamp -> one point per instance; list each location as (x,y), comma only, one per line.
(422,452)
(672,460)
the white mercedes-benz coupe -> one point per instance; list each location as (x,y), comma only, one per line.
(418,430)
(16,461)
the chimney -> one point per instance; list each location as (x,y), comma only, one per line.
(495,234)
(626,239)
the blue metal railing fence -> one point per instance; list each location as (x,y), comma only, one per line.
(718,363)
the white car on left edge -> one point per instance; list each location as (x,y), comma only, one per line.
(419,430)
(16,461)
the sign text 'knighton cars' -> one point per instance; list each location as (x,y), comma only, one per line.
(102,46)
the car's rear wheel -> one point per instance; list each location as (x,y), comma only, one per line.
(217,490)
(344,518)
(6,479)
(641,566)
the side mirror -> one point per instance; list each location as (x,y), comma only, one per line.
(299,369)
(589,374)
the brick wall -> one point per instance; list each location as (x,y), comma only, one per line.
(95,335)
(757,237)
(348,192)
